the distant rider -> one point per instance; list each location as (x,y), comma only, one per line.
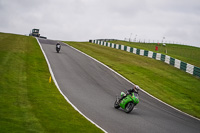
(58,45)
(130,91)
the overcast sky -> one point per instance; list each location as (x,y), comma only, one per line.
(81,20)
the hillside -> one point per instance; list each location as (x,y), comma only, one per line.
(185,53)
(29,103)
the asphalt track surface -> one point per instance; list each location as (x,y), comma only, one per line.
(92,88)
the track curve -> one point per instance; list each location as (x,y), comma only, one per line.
(92,88)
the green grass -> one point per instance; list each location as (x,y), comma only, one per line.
(28,103)
(165,82)
(188,54)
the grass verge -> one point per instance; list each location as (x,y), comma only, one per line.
(28,103)
(163,81)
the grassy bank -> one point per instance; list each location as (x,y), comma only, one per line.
(165,82)
(28,103)
(185,53)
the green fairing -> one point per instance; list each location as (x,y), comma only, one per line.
(128,99)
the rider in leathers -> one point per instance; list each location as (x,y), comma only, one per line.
(129,92)
(58,45)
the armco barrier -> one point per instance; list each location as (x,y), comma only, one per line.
(191,69)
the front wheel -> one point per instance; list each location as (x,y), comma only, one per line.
(116,104)
(129,107)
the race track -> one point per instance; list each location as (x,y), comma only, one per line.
(92,88)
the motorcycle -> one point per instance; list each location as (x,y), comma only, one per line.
(128,103)
(58,46)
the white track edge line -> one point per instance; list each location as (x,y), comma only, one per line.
(134,84)
(54,79)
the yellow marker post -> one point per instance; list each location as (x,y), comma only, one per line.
(50,79)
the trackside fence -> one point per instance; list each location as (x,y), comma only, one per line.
(189,68)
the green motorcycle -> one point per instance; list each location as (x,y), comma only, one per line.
(128,103)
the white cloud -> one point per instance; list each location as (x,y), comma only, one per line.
(80,20)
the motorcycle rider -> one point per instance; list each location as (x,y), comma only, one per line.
(58,45)
(129,92)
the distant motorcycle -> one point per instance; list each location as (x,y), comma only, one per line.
(58,47)
(128,103)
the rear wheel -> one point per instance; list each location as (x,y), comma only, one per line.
(116,104)
(129,107)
